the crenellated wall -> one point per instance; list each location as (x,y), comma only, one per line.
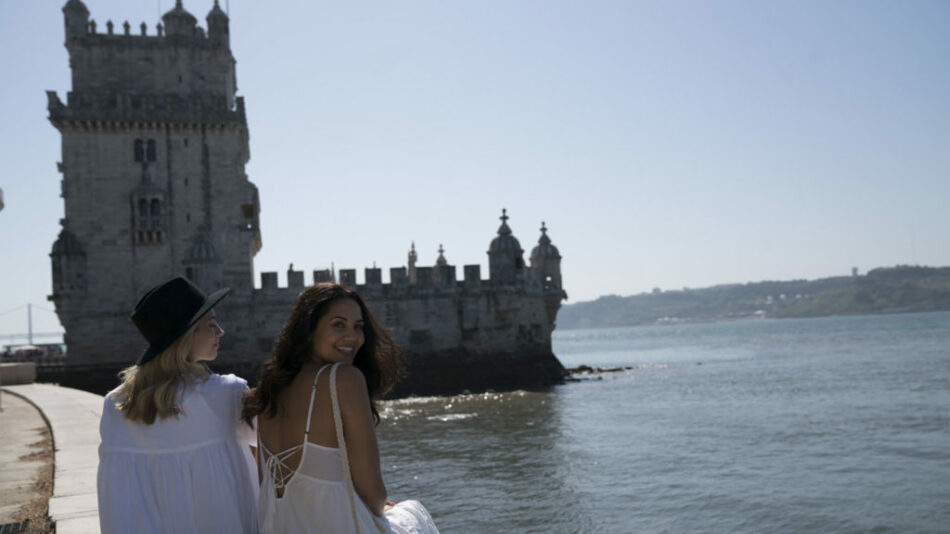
(436,313)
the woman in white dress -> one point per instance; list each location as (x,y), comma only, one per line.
(315,406)
(175,453)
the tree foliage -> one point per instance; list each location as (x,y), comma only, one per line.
(899,289)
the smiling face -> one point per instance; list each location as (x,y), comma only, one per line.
(204,346)
(338,335)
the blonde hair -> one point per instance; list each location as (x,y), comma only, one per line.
(152,390)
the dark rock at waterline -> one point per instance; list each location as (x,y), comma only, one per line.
(437,373)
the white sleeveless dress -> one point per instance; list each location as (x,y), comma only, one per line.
(318,496)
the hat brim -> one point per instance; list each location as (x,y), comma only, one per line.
(155,349)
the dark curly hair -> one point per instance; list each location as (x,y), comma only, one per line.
(380,359)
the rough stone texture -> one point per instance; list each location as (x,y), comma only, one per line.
(154,147)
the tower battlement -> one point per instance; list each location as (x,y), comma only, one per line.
(180,59)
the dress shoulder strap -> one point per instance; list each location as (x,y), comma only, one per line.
(341,443)
(313,392)
(344,457)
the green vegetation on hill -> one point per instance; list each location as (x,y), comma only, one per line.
(885,290)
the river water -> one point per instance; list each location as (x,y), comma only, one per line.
(798,425)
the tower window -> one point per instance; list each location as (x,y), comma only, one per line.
(139,151)
(150,153)
(149,221)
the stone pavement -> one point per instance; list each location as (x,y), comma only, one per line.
(21,425)
(73,418)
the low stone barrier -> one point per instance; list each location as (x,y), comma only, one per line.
(17,373)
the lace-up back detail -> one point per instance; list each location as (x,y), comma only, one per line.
(316,461)
(318,497)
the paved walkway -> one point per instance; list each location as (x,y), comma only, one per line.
(23,425)
(73,418)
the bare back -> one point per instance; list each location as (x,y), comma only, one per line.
(282,436)
(286,429)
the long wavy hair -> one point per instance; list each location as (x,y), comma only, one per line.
(380,359)
(151,390)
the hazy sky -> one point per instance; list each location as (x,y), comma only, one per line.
(665,143)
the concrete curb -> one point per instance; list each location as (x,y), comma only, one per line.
(73,418)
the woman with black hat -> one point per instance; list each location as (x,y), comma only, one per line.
(175,454)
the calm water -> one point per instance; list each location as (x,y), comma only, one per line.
(816,425)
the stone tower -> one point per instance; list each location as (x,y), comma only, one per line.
(154,145)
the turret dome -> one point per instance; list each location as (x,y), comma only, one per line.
(179,22)
(202,251)
(544,250)
(441,259)
(217,13)
(504,242)
(76,6)
(218,26)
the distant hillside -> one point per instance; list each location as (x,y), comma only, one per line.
(885,290)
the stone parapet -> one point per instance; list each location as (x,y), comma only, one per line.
(17,373)
(107,107)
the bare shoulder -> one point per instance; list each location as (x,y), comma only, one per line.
(351,384)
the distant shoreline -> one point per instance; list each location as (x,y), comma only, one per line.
(892,290)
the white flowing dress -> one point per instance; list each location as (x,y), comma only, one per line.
(188,474)
(318,496)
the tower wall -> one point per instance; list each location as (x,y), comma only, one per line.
(154,145)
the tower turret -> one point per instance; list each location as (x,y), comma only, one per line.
(218,26)
(76,16)
(443,274)
(546,272)
(412,263)
(69,264)
(179,24)
(505,256)
(546,262)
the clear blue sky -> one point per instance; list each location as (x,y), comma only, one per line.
(666,144)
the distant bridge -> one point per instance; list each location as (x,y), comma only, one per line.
(26,335)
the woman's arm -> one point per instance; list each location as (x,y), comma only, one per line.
(360,437)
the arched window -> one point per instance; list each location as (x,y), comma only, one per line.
(151,150)
(143,207)
(139,152)
(156,208)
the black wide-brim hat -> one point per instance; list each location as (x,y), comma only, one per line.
(168,310)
